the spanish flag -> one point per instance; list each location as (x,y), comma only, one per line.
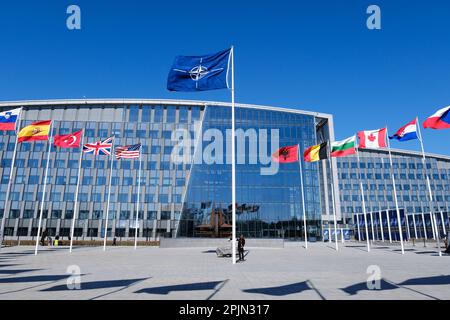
(37,131)
(316,153)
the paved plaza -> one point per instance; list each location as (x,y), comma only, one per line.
(197,273)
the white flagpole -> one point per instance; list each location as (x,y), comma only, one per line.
(233,162)
(303,195)
(330,161)
(109,194)
(371,226)
(443,223)
(424,226)
(45,187)
(380,217)
(8,190)
(388,219)
(75,209)
(415,227)
(137,203)
(429,184)
(359,230)
(407,226)
(399,221)
(363,200)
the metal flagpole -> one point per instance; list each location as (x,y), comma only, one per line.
(363,200)
(433,230)
(399,221)
(381,225)
(388,219)
(75,209)
(137,204)
(443,223)
(424,226)
(45,187)
(233,161)
(8,190)
(414,223)
(428,183)
(109,194)
(372,227)
(407,227)
(303,195)
(359,230)
(333,199)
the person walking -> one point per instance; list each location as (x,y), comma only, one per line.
(241,245)
(44,236)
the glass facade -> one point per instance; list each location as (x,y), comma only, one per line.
(177,199)
(411,186)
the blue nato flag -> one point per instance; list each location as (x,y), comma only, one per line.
(200,73)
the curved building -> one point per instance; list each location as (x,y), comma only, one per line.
(182,194)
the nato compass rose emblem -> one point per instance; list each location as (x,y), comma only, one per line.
(199,72)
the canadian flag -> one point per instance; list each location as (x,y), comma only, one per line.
(373,139)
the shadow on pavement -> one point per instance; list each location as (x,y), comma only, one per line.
(29,279)
(282,290)
(354,289)
(106,284)
(428,281)
(11,271)
(199,286)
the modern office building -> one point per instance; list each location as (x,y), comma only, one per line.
(412,193)
(188,198)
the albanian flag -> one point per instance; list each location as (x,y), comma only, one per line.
(286,155)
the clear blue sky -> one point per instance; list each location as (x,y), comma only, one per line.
(312,55)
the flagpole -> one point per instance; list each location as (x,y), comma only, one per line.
(233,162)
(332,199)
(388,220)
(414,223)
(399,221)
(137,204)
(45,187)
(371,226)
(303,195)
(75,209)
(380,217)
(363,200)
(359,230)
(429,184)
(8,190)
(109,194)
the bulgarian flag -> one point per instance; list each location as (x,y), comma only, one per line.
(343,148)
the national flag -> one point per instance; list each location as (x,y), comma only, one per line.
(128,152)
(99,148)
(72,140)
(286,155)
(200,73)
(374,139)
(344,147)
(316,153)
(37,131)
(8,119)
(439,120)
(407,132)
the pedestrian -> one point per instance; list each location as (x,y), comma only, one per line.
(447,245)
(115,241)
(50,243)
(241,245)
(43,237)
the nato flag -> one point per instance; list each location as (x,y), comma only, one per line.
(200,73)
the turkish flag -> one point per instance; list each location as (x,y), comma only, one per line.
(72,140)
(286,155)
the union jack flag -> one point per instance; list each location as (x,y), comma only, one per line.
(128,152)
(99,148)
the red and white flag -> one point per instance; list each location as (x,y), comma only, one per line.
(72,140)
(373,139)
